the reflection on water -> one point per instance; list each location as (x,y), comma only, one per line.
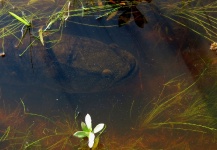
(168,103)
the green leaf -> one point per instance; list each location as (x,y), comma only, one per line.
(24,21)
(5,135)
(98,128)
(81,134)
(84,127)
(35,1)
(96,142)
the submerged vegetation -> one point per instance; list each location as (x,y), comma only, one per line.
(169,121)
(198,16)
(89,133)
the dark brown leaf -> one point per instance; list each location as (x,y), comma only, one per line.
(124,17)
(139,18)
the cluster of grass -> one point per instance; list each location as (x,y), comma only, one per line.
(39,19)
(18,19)
(33,131)
(169,121)
(197,15)
(184,114)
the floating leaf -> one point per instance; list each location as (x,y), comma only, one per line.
(124,17)
(24,21)
(138,17)
(112,15)
(98,128)
(81,134)
(40,32)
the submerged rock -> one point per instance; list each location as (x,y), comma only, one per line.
(77,64)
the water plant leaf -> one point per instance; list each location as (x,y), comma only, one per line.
(40,32)
(113,14)
(81,134)
(96,142)
(35,1)
(124,17)
(32,2)
(24,21)
(5,135)
(84,127)
(88,122)
(98,128)
(139,18)
(91,139)
(100,4)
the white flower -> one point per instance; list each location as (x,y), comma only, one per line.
(87,130)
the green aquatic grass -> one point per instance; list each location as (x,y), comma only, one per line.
(43,22)
(163,104)
(198,16)
(5,135)
(21,19)
(42,133)
(186,110)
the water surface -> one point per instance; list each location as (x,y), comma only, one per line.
(170,59)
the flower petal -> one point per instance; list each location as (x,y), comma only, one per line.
(88,122)
(80,134)
(98,128)
(91,139)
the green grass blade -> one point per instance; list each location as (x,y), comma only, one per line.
(20,19)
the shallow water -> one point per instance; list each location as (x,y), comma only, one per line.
(169,57)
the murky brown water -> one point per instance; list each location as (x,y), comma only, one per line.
(169,103)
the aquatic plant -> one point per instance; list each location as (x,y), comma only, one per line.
(200,16)
(126,8)
(21,19)
(184,110)
(5,135)
(89,133)
(197,16)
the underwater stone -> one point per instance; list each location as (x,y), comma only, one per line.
(77,64)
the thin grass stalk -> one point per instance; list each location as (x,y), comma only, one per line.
(187,124)
(200,24)
(168,103)
(202,35)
